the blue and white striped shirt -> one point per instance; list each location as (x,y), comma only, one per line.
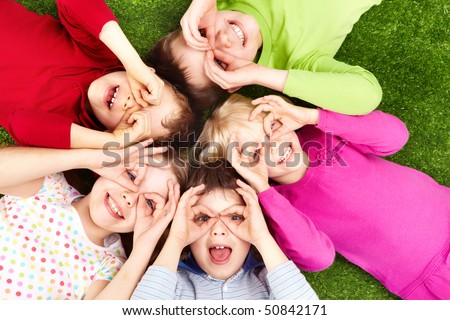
(284,282)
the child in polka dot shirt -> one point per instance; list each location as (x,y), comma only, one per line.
(57,244)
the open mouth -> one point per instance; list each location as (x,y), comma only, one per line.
(114,209)
(220,254)
(111,96)
(287,154)
(238,30)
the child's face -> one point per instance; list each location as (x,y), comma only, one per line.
(237,34)
(219,252)
(114,208)
(283,156)
(110,96)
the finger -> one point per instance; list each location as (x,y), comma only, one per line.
(176,195)
(207,225)
(141,171)
(185,198)
(235,152)
(134,117)
(158,200)
(201,209)
(214,72)
(142,208)
(262,154)
(124,181)
(232,61)
(267,124)
(137,95)
(267,99)
(211,35)
(193,37)
(280,132)
(153,98)
(260,108)
(248,196)
(150,151)
(235,209)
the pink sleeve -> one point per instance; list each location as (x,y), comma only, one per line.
(84,20)
(297,236)
(376,133)
(40,129)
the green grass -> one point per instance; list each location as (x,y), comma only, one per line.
(404,43)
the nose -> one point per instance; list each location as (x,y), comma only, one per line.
(219,229)
(129,102)
(130,198)
(223,39)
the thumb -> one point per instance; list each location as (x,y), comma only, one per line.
(210,32)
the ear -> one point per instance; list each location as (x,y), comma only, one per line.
(231,90)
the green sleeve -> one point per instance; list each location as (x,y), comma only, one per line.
(333,85)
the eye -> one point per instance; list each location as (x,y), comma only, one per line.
(275,125)
(202,32)
(236,217)
(150,204)
(255,154)
(201,218)
(220,64)
(131,176)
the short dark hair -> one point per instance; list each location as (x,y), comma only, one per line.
(161,58)
(214,175)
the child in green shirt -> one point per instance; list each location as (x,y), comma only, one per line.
(284,45)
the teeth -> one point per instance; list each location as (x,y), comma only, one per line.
(286,155)
(219,247)
(238,31)
(111,103)
(112,205)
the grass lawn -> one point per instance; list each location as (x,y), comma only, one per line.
(404,43)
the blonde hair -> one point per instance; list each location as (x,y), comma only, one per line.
(227,118)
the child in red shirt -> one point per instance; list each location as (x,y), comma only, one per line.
(64,83)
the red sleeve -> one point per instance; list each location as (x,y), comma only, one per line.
(296,234)
(376,133)
(40,129)
(84,20)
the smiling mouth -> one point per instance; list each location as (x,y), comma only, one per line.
(112,96)
(287,154)
(240,34)
(115,211)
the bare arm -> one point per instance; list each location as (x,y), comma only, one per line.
(23,168)
(145,85)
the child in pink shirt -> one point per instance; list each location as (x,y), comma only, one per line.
(391,220)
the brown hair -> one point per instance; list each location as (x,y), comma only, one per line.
(161,58)
(214,175)
(181,125)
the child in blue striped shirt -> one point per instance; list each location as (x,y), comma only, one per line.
(220,219)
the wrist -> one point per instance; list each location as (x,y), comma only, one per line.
(313,116)
(271,78)
(260,187)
